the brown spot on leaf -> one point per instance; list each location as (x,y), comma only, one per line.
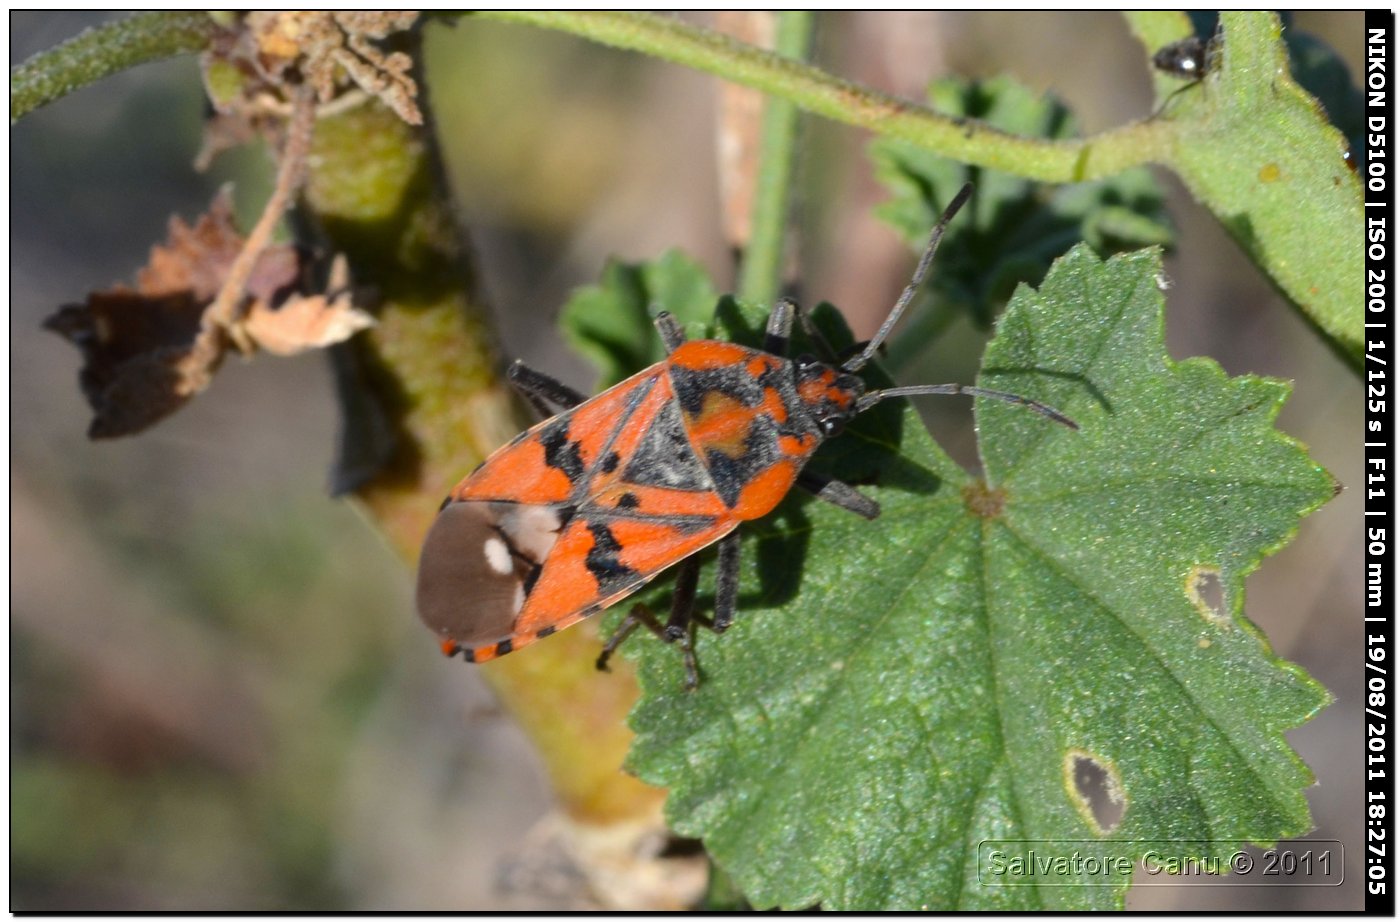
(1205,592)
(1096,789)
(983,501)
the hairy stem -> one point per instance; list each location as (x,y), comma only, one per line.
(96,53)
(814,90)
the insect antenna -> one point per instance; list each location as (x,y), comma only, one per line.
(869,400)
(920,273)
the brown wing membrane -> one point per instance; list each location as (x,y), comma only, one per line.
(479,562)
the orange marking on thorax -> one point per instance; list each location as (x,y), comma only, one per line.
(758,365)
(762,494)
(722,425)
(797,445)
(703,354)
(773,405)
(813,390)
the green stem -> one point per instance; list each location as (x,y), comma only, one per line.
(95,53)
(151,36)
(761,275)
(814,90)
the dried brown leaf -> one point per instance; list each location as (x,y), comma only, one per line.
(304,322)
(143,356)
(250,71)
(148,350)
(196,258)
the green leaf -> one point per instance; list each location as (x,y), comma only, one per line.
(1260,153)
(611,323)
(1321,72)
(895,692)
(1014,227)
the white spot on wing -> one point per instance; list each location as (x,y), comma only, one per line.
(497,555)
(532,529)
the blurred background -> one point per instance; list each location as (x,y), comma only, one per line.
(220,696)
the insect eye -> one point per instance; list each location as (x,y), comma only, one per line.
(806,360)
(832,426)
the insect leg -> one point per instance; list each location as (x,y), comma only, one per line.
(680,626)
(542,390)
(683,600)
(640,615)
(839,493)
(671,333)
(779,332)
(726,599)
(726,583)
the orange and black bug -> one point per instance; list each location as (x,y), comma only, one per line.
(585,508)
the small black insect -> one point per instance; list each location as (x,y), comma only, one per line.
(1189,58)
